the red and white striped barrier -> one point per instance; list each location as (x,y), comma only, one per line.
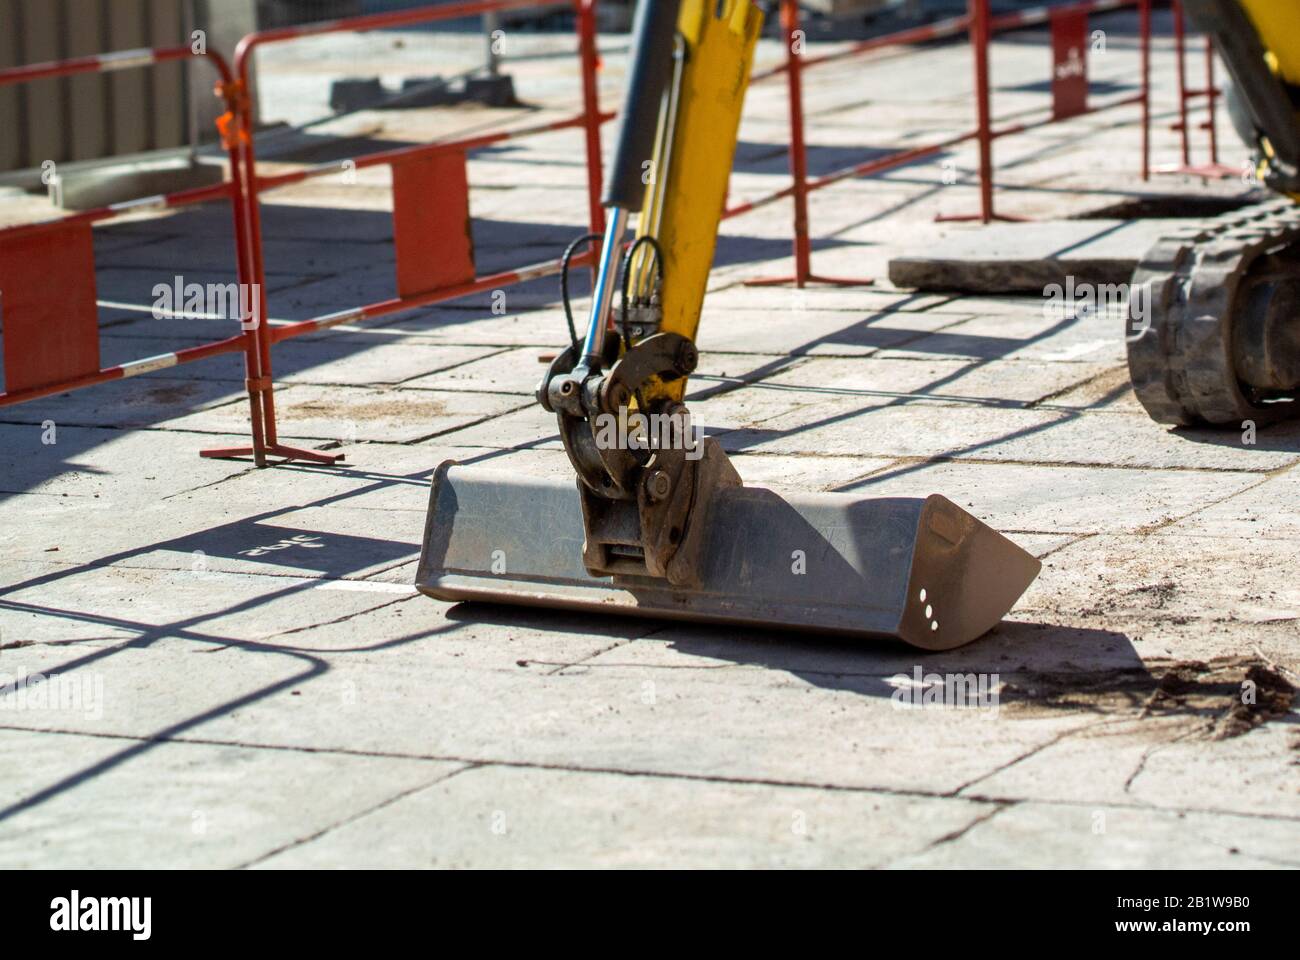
(39,365)
(430,200)
(51,331)
(1070,86)
(981,26)
(1187,95)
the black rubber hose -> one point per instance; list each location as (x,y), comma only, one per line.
(653,38)
(627,260)
(564,281)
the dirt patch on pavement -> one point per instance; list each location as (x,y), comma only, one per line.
(177,393)
(1114,388)
(404,406)
(1152,598)
(1229,695)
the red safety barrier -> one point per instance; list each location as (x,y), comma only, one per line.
(1069,90)
(800,185)
(48,301)
(1069,27)
(435,260)
(1211,93)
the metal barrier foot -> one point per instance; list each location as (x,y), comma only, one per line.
(811,278)
(275,450)
(1206,171)
(978,217)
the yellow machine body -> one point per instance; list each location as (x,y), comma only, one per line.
(1278,25)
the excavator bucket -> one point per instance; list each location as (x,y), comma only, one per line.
(675,537)
(919,570)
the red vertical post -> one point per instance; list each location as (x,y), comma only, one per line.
(261,397)
(1144,29)
(244,265)
(798,154)
(1180,54)
(261,329)
(981,27)
(1212,96)
(1185,96)
(803,275)
(589,59)
(979,20)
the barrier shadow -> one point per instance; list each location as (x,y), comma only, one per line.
(773,158)
(294,548)
(1096,88)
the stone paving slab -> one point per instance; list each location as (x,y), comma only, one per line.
(747,658)
(1061,499)
(127,404)
(815,332)
(993,383)
(949,431)
(213,251)
(336,540)
(477,818)
(198,608)
(1027,257)
(528,426)
(93,461)
(136,285)
(1158,577)
(1110,763)
(1261,512)
(500,371)
(550,715)
(1024,335)
(384,361)
(1109,392)
(1125,839)
(200,805)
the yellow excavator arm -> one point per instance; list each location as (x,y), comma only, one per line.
(692,165)
(658,521)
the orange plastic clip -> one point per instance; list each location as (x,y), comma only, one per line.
(232,131)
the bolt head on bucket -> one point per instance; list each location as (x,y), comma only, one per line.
(920,570)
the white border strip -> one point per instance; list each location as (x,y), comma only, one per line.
(334,319)
(149,364)
(125,60)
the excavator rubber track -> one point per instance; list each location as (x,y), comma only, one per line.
(1191,353)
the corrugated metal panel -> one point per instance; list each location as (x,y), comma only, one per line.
(170,128)
(90,116)
(11,146)
(285,13)
(88,123)
(129,89)
(44,118)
